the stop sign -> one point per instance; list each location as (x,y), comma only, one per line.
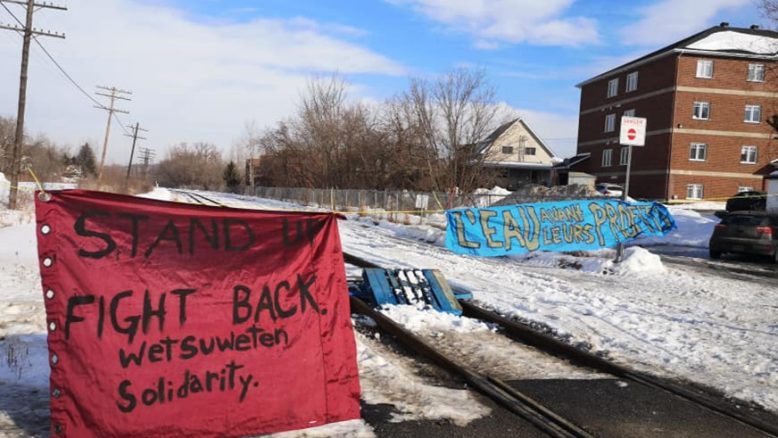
(633,131)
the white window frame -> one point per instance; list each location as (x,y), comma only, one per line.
(749,154)
(705,68)
(756,73)
(613,87)
(632,82)
(531,150)
(704,108)
(753,112)
(607,155)
(695,191)
(694,151)
(624,156)
(610,123)
(741,189)
(629,113)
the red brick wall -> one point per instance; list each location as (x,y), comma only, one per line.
(723,153)
(727,73)
(713,187)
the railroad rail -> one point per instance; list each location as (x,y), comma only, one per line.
(515,401)
(551,422)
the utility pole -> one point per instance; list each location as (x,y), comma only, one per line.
(113,94)
(146,155)
(27,31)
(135,138)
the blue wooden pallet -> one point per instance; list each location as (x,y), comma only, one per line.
(418,287)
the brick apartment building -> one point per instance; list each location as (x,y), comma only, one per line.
(706,99)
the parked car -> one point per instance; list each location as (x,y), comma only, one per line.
(747,201)
(752,232)
(608,189)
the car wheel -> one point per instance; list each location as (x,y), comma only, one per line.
(775,257)
(715,254)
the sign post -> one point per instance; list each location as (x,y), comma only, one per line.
(633,133)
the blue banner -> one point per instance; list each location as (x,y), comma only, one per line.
(553,226)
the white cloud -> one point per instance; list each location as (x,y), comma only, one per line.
(670,20)
(191,81)
(494,22)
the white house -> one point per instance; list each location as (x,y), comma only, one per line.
(517,155)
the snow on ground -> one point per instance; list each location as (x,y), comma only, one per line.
(669,321)
(694,229)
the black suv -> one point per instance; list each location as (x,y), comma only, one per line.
(747,201)
(745,232)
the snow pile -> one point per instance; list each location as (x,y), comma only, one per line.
(487,197)
(694,230)
(731,40)
(639,261)
(535,193)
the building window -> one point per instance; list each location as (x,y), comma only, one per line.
(624,157)
(756,72)
(694,191)
(632,82)
(507,149)
(610,122)
(701,111)
(529,151)
(753,114)
(705,68)
(613,87)
(629,113)
(748,155)
(742,189)
(698,152)
(606,157)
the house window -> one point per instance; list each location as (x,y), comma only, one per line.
(610,122)
(694,191)
(507,149)
(742,189)
(698,152)
(748,155)
(624,157)
(755,72)
(701,111)
(705,68)
(629,113)
(753,113)
(606,157)
(632,82)
(613,87)
(529,151)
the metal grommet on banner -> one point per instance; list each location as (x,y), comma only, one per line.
(44,196)
(56,393)
(58,428)
(52,326)
(48,261)
(45,229)
(54,359)
(49,294)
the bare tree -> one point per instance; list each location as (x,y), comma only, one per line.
(196,166)
(7,133)
(453,113)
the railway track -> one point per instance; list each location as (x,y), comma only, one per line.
(541,416)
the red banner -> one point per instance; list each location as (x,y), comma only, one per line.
(175,320)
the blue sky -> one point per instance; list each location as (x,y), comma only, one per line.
(205,70)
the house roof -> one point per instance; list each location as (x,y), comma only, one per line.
(719,40)
(567,163)
(497,133)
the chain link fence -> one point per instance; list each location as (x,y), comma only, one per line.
(400,205)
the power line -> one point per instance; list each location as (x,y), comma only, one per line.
(29,33)
(62,69)
(113,94)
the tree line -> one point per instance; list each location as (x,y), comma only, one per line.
(424,138)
